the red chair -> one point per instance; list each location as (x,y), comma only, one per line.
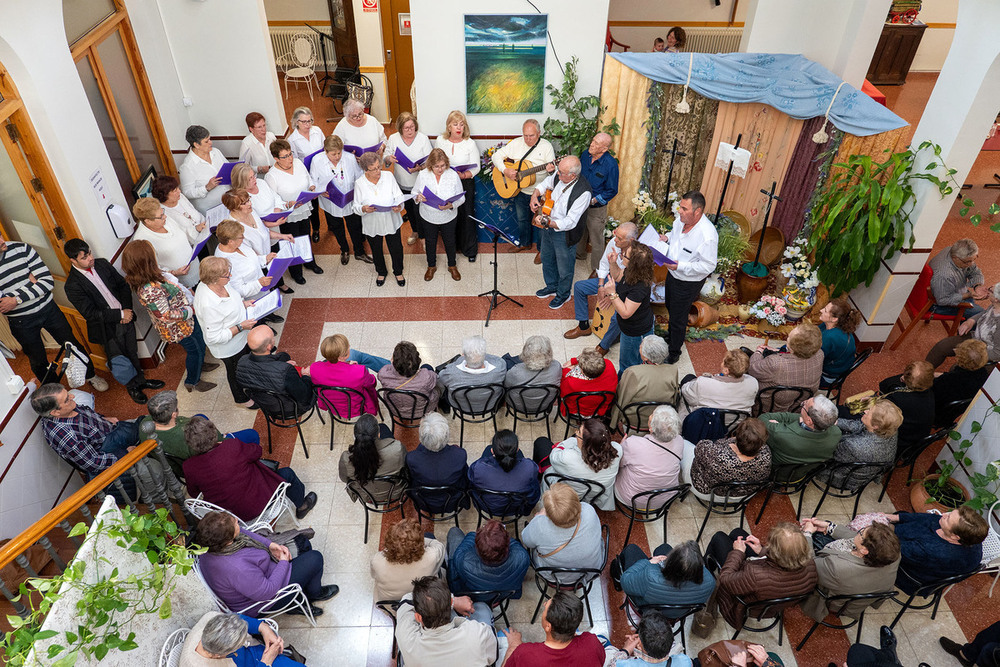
(918,306)
(610,41)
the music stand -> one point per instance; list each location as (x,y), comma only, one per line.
(322,49)
(495,294)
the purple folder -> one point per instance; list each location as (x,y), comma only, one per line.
(226,173)
(306,196)
(198,247)
(274,217)
(407,163)
(659,258)
(339,198)
(308,160)
(358,151)
(275,271)
(463,167)
(435,201)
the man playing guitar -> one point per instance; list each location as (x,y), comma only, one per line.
(529,145)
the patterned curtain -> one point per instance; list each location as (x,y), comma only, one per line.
(693,132)
(624,92)
(770,136)
(801,179)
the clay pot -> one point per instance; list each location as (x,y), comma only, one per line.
(702,315)
(920,499)
(748,287)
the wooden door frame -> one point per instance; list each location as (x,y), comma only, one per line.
(389,42)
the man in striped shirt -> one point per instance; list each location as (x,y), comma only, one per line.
(26,299)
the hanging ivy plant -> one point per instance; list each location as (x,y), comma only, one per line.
(863,213)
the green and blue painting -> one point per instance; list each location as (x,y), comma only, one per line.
(505,62)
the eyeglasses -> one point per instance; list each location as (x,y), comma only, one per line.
(161,216)
(285,156)
(356,116)
(308,121)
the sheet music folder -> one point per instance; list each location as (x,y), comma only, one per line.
(495,230)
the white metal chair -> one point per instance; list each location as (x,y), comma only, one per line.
(170,654)
(299,64)
(991,546)
(278,504)
(266,609)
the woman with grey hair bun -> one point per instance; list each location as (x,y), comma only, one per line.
(652,461)
(436,463)
(199,182)
(225,638)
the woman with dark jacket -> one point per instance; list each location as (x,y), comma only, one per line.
(672,576)
(486,560)
(961,383)
(375,453)
(913,394)
(837,322)
(503,467)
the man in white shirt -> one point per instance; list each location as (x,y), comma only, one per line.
(529,146)
(693,254)
(561,229)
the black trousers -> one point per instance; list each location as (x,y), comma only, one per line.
(468,231)
(27,331)
(721,544)
(353,224)
(314,218)
(632,554)
(447,233)
(413,215)
(680,294)
(239,393)
(296,229)
(124,343)
(395,245)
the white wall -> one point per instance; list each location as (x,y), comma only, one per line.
(371,55)
(577,28)
(935,43)
(663,14)
(300,10)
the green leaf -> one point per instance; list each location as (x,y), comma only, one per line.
(976,427)
(963,211)
(932,165)
(101,651)
(67,661)
(165,608)
(994,208)
(976,219)
(78,529)
(45,634)
(968,202)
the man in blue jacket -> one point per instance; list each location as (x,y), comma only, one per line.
(601,171)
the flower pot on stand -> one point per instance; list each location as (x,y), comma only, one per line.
(798,301)
(751,281)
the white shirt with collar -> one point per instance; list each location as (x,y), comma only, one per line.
(420,147)
(384,193)
(604,268)
(366,136)
(459,153)
(565,214)
(696,252)
(245,270)
(265,201)
(516,149)
(187,217)
(217,315)
(301,146)
(344,176)
(195,174)
(256,153)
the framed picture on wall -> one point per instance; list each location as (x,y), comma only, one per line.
(144,186)
(505,62)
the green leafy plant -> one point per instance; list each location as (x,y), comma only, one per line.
(107,602)
(732,245)
(572,136)
(985,485)
(862,215)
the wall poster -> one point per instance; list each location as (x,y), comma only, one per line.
(505,62)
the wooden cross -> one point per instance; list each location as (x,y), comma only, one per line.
(674,153)
(770,199)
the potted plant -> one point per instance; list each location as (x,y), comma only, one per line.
(572,136)
(732,246)
(770,312)
(799,292)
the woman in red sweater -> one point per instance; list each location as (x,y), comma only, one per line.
(588,372)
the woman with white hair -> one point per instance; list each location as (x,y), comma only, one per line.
(652,461)
(305,138)
(361,132)
(536,368)
(436,463)
(474,368)
(226,639)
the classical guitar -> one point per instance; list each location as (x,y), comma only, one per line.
(543,216)
(506,187)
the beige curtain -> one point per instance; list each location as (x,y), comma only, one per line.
(875,145)
(624,92)
(693,132)
(770,136)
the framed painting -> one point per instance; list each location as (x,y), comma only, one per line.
(505,63)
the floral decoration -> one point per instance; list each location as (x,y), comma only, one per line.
(770,308)
(486,173)
(643,202)
(797,267)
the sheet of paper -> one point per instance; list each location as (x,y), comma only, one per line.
(286,249)
(264,306)
(741,162)
(651,238)
(226,173)
(274,217)
(339,198)
(307,160)
(405,162)
(215,215)
(303,248)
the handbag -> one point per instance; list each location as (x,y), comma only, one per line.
(720,654)
(75,366)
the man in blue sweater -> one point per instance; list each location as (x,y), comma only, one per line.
(934,547)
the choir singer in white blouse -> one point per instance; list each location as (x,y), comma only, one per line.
(378,187)
(255,149)
(414,146)
(360,130)
(444,183)
(167,190)
(199,170)
(461,150)
(340,168)
(289,178)
(305,140)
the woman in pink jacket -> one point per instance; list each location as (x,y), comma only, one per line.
(344,368)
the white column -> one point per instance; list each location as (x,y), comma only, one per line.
(959,113)
(840,36)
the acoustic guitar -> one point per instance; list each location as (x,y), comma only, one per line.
(506,187)
(543,216)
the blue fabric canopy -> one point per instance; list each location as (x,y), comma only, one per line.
(790,83)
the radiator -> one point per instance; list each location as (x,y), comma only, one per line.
(281,42)
(713,40)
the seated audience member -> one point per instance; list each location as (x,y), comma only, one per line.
(536,367)
(590,371)
(590,454)
(231,474)
(872,439)
(985,327)
(672,576)
(957,279)
(503,467)
(436,463)
(652,461)
(652,380)
(406,373)
(407,555)
(787,568)
(742,457)
(651,644)
(962,382)
(486,560)
(837,322)
(266,369)
(850,563)
(801,366)
(913,394)
(339,371)
(227,639)
(78,434)
(562,645)
(429,635)
(375,453)
(809,436)
(246,570)
(566,533)
(474,368)
(731,389)
(936,546)
(983,650)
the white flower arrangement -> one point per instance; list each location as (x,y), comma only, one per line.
(770,308)
(797,267)
(643,202)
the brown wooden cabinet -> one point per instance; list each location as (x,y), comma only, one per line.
(894,54)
